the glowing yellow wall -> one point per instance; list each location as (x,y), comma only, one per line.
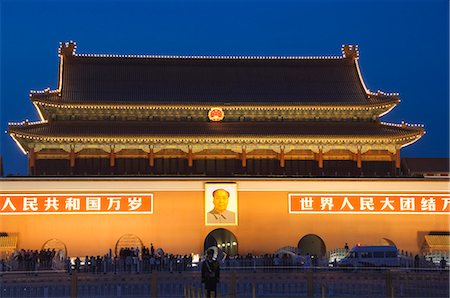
(177,224)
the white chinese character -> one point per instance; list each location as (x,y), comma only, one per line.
(51,202)
(93,203)
(30,204)
(446,203)
(407,204)
(428,204)
(306,203)
(72,204)
(134,203)
(387,203)
(347,202)
(366,203)
(114,201)
(8,203)
(326,202)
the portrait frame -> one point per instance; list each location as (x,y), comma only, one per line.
(231,188)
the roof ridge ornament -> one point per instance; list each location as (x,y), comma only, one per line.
(350,51)
(67,48)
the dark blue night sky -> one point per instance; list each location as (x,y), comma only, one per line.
(404,47)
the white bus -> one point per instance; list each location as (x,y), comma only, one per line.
(371,256)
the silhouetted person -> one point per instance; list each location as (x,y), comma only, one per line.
(210,274)
(416,261)
(77,264)
(443,263)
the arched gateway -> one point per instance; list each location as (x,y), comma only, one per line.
(128,241)
(386,241)
(223,239)
(313,245)
(56,244)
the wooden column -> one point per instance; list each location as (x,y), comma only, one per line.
(358,159)
(320,158)
(72,157)
(282,157)
(112,158)
(190,163)
(151,157)
(397,159)
(31,161)
(244,158)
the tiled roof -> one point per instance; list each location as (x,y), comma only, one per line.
(422,165)
(438,241)
(104,79)
(213,129)
(8,242)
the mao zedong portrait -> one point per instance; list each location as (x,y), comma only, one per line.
(220,214)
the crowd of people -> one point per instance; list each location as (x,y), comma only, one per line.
(30,260)
(147,260)
(130,260)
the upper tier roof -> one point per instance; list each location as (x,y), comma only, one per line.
(209,80)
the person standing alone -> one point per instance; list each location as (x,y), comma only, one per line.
(210,273)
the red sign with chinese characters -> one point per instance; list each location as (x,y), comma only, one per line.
(130,203)
(370,203)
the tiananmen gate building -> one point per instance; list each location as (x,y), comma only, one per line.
(295,143)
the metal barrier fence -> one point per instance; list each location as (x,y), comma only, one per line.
(235,282)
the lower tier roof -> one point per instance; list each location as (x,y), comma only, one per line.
(99,133)
(213,129)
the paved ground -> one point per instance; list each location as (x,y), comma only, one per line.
(234,283)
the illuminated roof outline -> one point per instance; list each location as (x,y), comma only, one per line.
(233,80)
